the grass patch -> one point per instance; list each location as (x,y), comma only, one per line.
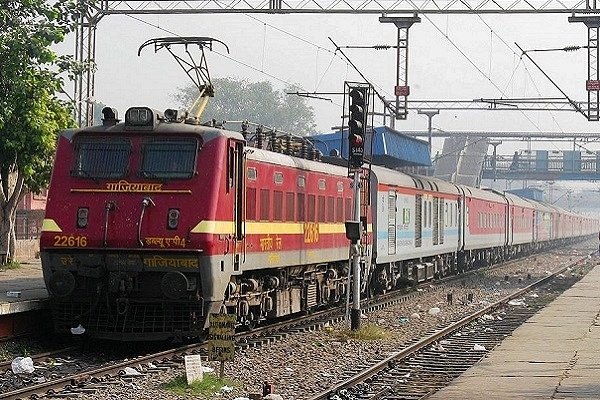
(204,389)
(10,350)
(365,332)
(11,265)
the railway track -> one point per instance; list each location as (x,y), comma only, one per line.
(432,362)
(97,378)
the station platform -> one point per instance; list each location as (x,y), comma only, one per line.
(554,355)
(22,289)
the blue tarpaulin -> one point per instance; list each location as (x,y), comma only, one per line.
(390,147)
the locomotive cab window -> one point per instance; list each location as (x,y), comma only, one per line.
(169,159)
(101,158)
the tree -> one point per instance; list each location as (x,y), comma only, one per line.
(31,114)
(238,100)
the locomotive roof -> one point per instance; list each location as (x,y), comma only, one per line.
(207,133)
(257,154)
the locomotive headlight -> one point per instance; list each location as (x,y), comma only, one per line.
(82,217)
(173,218)
(139,116)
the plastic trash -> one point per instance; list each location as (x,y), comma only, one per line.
(415,316)
(80,330)
(479,347)
(273,396)
(131,371)
(516,302)
(22,365)
(403,320)
(434,311)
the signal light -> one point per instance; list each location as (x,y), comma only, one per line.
(357,126)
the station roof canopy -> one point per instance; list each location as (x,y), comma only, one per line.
(390,147)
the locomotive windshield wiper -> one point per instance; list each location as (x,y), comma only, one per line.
(147,202)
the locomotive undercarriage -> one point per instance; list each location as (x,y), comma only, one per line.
(259,295)
(122,303)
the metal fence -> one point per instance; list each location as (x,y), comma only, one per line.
(28,224)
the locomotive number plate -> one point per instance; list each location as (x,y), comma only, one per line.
(70,241)
(311,232)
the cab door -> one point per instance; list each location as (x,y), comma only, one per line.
(235,187)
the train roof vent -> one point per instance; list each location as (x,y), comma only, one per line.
(110,116)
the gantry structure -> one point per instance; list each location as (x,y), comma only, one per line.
(402,13)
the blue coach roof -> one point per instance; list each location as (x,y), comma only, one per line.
(390,147)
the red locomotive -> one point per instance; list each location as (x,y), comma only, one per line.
(151,224)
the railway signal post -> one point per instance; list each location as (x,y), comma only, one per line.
(358,95)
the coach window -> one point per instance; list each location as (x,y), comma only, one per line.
(169,159)
(251,174)
(278,178)
(321,184)
(301,181)
(101,158)
(445,215)
(265,204)
(277,205)
(289,206)
(430,214)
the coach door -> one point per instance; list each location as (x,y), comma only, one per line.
(235,186)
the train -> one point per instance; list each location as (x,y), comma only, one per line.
(157,221)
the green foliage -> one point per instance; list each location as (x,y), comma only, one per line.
(11,265)
(204,389)
(31,114)
(16,348)
(259,102)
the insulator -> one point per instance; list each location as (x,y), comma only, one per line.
(245,129)
(259,137)
(275,143)
(304,151)
(288,145)
(313,154)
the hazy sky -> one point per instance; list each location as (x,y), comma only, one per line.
(450,57)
